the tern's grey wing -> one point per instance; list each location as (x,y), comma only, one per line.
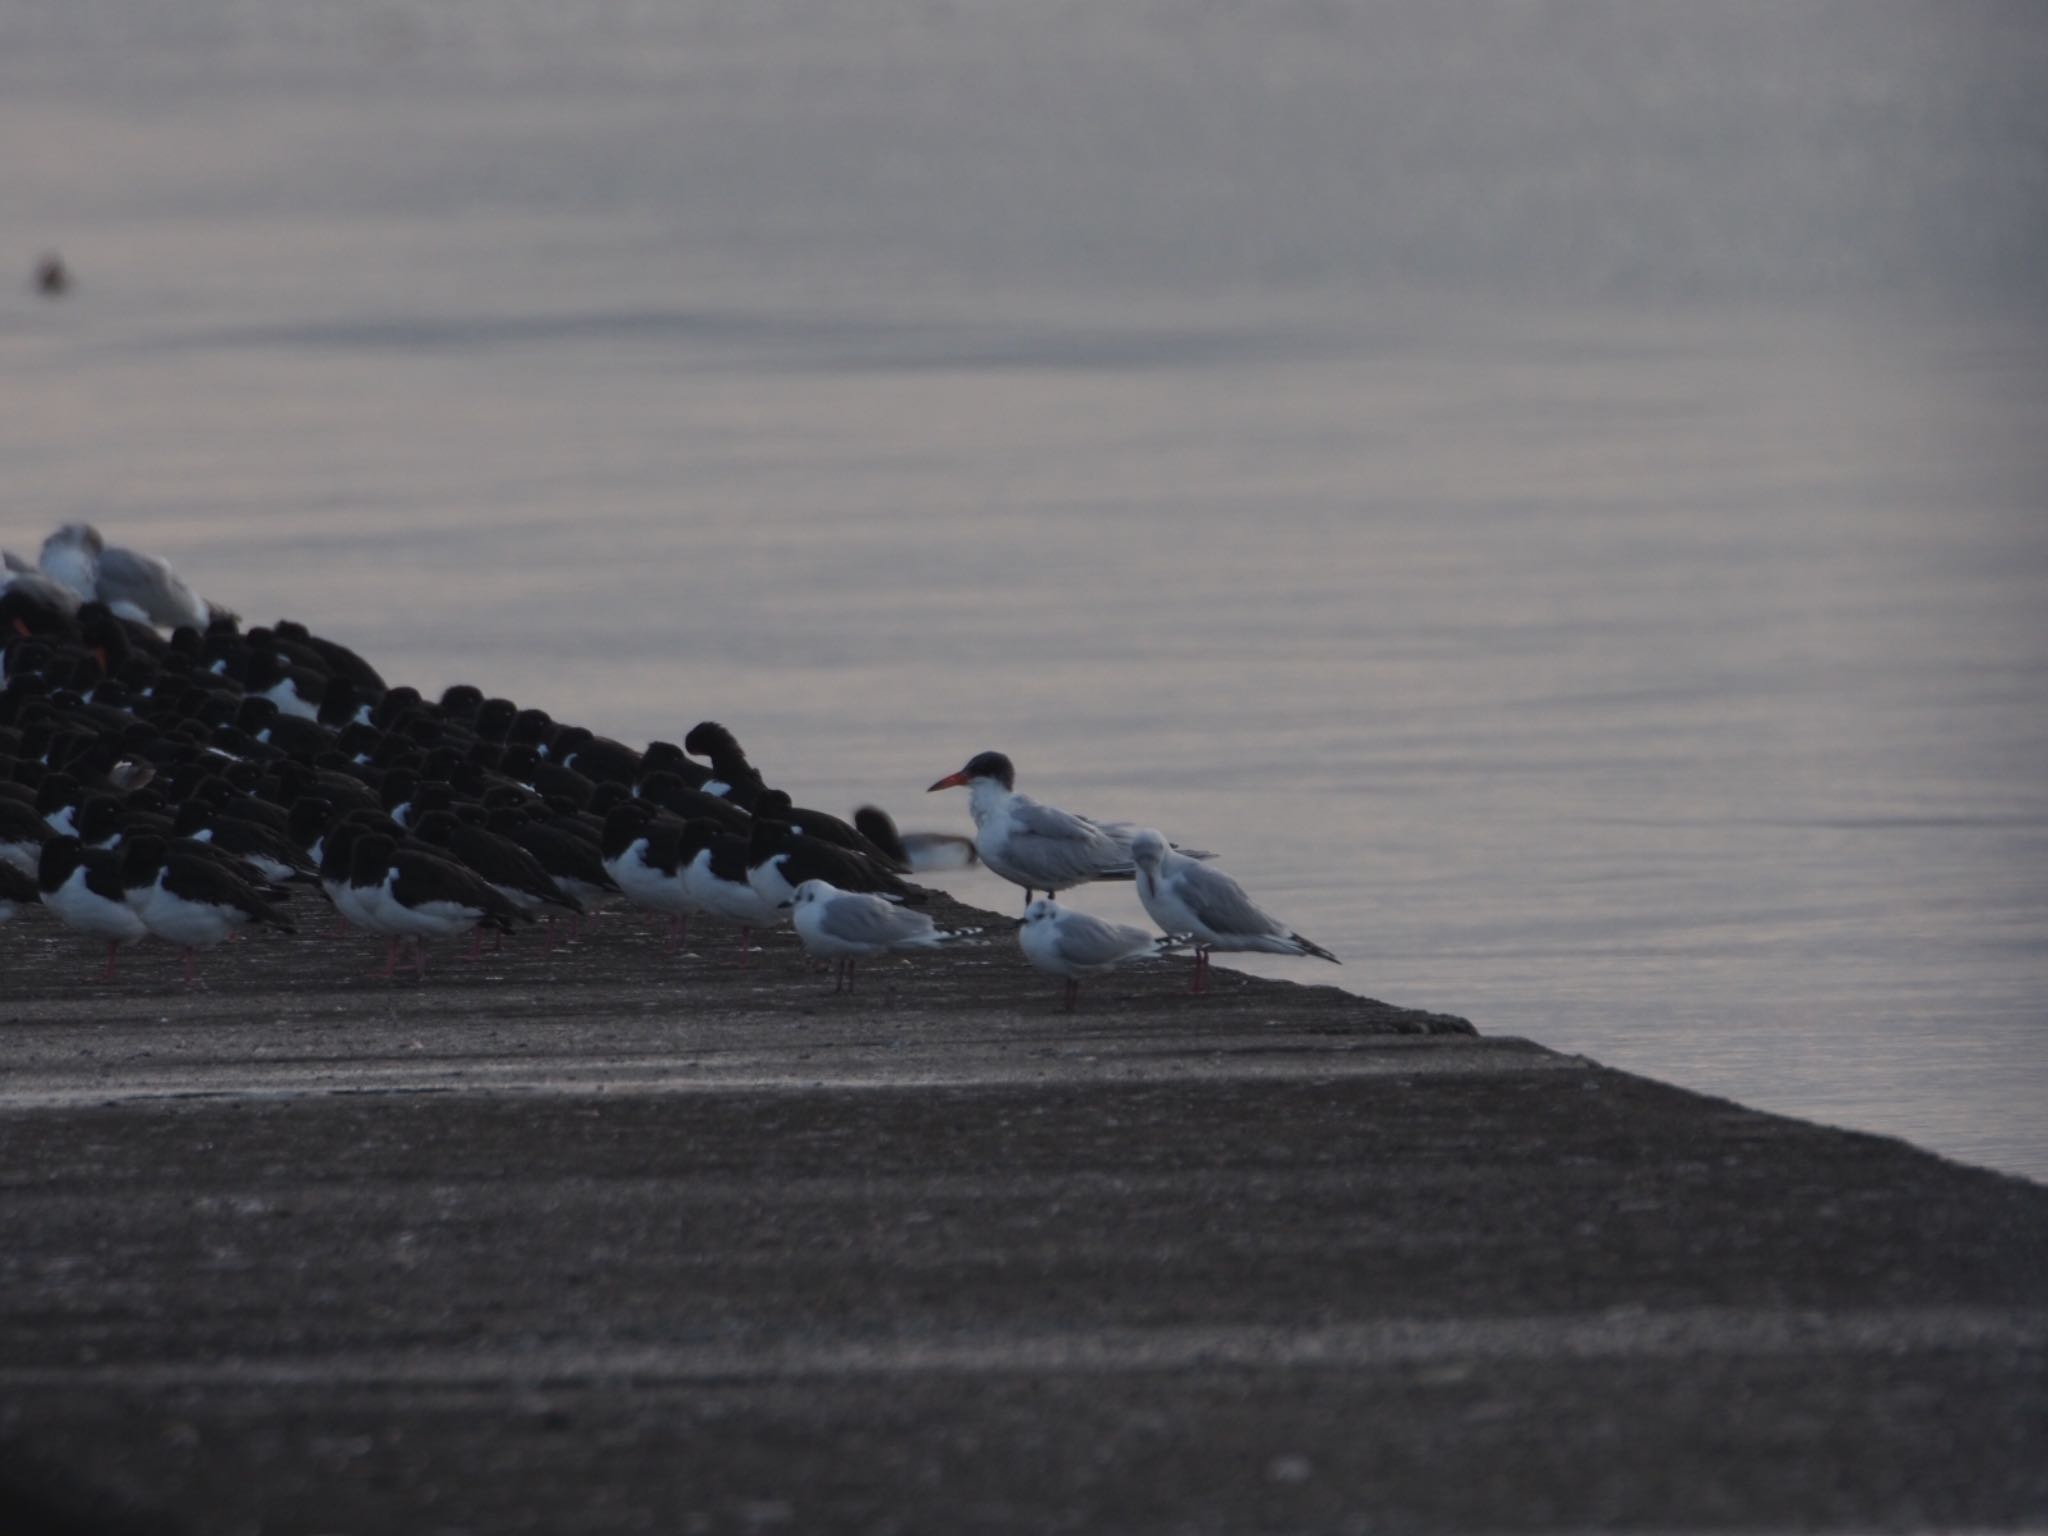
(151,586)
(1086,940)
(1220,903)
(871,920)
(1124,831)
(1061,845)
(1118,832)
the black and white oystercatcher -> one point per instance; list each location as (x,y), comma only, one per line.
(779,860)
(715,877)
(918,852)
(186,898)
(643,854)
(411,896)
(17,890)
(732,776)
(82,886)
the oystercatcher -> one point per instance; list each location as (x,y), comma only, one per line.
(715,877)
(186,898)
(83,887)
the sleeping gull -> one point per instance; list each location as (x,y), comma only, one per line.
(1209,907)
(136,586)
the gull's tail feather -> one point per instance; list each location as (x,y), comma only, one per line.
(1306,947)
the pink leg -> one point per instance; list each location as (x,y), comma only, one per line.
(1072,997)
(476,944)
(390,971)
(188,966)
(419,959)
(113,948)
(678,931)
(746,947)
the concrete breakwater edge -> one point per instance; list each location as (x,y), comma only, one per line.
(609,1240)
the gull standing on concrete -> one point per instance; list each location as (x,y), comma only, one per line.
(1072,945)
(1185,897)
(846,926)
(1039,847)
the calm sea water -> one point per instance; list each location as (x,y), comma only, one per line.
(1554,494)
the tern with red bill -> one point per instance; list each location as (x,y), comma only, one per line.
(1039,847)
(1205,904)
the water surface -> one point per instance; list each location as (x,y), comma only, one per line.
(1553,495)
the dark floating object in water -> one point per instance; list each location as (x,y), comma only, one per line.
(53,278)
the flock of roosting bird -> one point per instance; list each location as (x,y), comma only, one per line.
(167,772)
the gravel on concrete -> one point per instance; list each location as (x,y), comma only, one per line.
(609,1239)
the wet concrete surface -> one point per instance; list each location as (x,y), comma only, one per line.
(615,1240)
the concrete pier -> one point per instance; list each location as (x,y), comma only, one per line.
(615,1240)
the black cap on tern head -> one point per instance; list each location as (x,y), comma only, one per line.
(983,765)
